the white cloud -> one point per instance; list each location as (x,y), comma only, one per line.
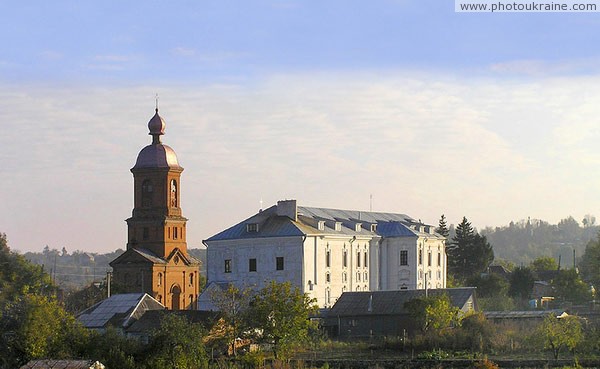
(423,145)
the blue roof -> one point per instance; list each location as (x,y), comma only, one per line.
(269,224)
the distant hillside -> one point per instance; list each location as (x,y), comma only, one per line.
(72,271)
(526,240)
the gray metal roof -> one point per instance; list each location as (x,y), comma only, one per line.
(391,302)
(272,225)
(63,364)
(123,306)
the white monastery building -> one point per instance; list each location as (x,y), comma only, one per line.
(326,252)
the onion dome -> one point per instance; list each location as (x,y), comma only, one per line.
(156,125)
(156,155)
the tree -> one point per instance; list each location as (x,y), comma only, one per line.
(469,253)
(233,303)
(521,283)
(569,287)
(544,264)
(177,344)
(434,312)
(36,327)
(489,285)
(443,227)
(559,333)
(281,314)
(590,263)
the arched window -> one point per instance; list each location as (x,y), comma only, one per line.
(173,193)
(175,296)
(147,193)
(160,279)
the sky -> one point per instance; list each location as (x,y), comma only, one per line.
(395,105)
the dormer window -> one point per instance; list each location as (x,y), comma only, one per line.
(338,226)
(358,227)
(252,227)
(373,227)
(321,225)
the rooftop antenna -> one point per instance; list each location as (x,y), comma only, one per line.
(156,103)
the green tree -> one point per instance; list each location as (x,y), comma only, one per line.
(469,253)
(443,227)
(281,314)
(489,285)
(569,287)
(435,312)
(233,303)
(560,333)
(521,283)
(177,344)
(36,327)
(590,263)
(544,264)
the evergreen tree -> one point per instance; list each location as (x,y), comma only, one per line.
(443,227)
(469,253)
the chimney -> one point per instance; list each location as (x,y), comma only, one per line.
(287,208)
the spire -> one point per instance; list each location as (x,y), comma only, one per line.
(156,126)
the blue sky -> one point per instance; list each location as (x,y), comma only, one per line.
(490,116)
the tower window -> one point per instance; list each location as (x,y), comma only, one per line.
(279,263)
(252,265)
(227,265)
(174,233)
(173,193)
(147,191)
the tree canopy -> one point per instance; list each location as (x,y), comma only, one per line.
(469,254)
(281,313)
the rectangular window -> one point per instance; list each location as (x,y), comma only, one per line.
(328,259)
(403,257)
(420,257)
(345,259)
(366,258)
(279,263)
(174,233)
(439,259)
(358,259)
(252,265)
(429,258)
(227,265)
(252,227)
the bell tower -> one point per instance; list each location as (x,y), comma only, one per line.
(156,223)
(156,260)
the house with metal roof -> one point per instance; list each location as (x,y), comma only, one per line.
(383,313)
(326,252)
(119,311)
(63,364)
